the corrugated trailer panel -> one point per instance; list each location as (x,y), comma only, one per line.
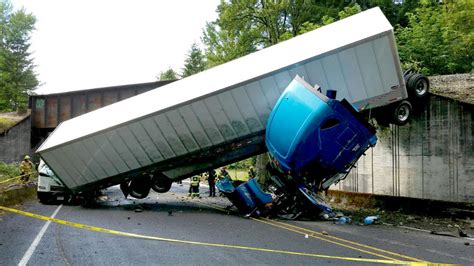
(228,103)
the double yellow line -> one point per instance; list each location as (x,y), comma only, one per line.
(126,234)
(395,258)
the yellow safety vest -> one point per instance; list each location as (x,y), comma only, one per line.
(195,181)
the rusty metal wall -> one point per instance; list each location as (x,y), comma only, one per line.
(51,109)
(432,157)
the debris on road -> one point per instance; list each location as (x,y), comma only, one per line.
(343,220)
(371,219)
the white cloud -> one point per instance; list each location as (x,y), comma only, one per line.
(88,44)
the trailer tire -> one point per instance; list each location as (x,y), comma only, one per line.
(401,113)
(161,184)
(418,86)
(88,199)
(140,187)
(140,194)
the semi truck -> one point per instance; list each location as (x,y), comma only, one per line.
(219,116)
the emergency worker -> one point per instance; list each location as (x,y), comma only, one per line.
(223,174)
(26,169)
(211,179)
(194,186)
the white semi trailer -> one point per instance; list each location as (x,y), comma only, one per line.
(218,116)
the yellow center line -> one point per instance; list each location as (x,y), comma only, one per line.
(345,240)
(324,237)
(327,240)
(120,233)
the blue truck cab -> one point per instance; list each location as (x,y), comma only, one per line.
(311,135)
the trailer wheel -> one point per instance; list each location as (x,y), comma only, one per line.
(88,199)
(402,113)
(161,184)
(418,86)
(139,188)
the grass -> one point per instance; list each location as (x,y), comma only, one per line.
(8,171)
(6,123)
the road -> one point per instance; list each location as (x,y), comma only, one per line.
(170,228)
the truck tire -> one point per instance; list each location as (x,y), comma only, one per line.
(139,188)
(44,197)
(418,86)
(161,184)
(401,113)
(88,199)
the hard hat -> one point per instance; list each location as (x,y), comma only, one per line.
(27,157)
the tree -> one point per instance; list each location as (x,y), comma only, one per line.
(17,75)
(169,74)
(245,26)
(194,62)
(439,37)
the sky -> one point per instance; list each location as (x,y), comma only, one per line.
(87,44)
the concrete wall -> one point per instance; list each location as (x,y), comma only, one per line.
(432,157)
(15,142)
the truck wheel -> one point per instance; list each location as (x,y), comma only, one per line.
(418,86)
(161,184)
(139,189)
(88,199)
(43,197)
(402,113)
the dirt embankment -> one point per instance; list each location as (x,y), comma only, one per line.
(459,87)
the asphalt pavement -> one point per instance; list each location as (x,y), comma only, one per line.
(171,228)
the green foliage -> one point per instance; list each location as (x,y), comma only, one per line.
(248,25)
(349,11)
(17,76)
(6,123)
(194,62)
(169,74)
(8,170)
(439,37)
